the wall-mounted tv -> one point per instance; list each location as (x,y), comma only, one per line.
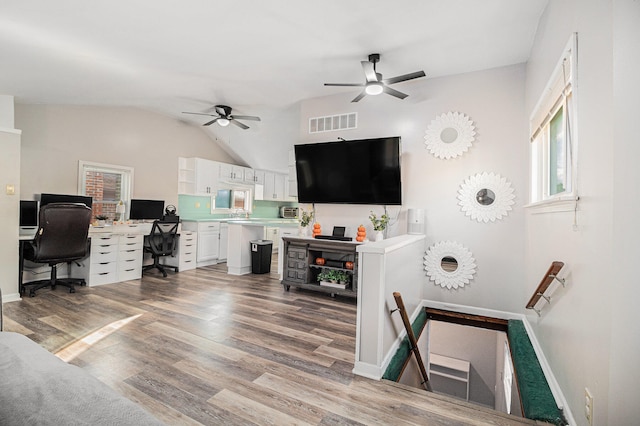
(365,171)
(65,198)
(146,209)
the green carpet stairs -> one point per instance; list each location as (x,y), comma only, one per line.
(538,402)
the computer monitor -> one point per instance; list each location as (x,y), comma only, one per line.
(146,209)
(28,214)
(65,198)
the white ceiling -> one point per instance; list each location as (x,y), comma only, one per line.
(172,56)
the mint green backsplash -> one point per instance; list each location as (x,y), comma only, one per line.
(199,207)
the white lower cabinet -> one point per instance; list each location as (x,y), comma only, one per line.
(101,267)
(130,257)
(185,255)
(208,241)
(223,242)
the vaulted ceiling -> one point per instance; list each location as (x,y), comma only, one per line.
(171,56)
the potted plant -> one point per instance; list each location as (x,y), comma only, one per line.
(305,219)
(379,225)
(101,219)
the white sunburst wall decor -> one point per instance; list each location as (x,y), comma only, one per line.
(486,197)
(449,264)
(450,135)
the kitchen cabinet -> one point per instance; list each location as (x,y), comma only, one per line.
(292,179)
(208,241)
(206,176)
(223,242)
(186,175)
(232,173)
(274,187)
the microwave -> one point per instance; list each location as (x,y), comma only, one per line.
(289,212)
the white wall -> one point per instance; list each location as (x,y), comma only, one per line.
(9,212)
(623,283)
(473,344)
(494,100)
(589,334)
(54,138)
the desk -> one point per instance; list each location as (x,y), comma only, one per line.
(116,254)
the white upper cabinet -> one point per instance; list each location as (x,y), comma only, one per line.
(206,176)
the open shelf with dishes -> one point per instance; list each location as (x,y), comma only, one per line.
(321,265)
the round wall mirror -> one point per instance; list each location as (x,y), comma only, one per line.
(449,264)
(449,135)
(485,197)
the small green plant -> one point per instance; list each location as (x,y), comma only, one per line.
(379,224)
(342,276)
(306,218)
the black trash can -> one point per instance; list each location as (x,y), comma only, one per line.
(261,256)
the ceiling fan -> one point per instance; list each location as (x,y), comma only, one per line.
(375,84)
(224,117)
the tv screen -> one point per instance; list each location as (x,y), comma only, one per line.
(146,209)
(64,198)
(365,171)
(28,213)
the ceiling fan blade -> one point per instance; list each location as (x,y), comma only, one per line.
(344,84)
(393,92)
(239,124)
(246,117)
(209,123)
(369,71)
(360,96)
(405,77)
(198,113)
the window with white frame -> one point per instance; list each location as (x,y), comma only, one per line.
(553,132)
(108,185)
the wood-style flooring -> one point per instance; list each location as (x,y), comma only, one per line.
(204,347)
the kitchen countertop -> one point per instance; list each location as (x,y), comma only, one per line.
(255,221)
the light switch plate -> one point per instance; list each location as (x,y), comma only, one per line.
(588,406)
(11,189)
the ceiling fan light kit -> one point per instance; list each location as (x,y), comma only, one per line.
(375,84)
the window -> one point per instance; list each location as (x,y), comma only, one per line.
(108,185)
(553,133)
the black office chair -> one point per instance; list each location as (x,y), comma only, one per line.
(62,237)
(161,242)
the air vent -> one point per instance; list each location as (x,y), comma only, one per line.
(333,122)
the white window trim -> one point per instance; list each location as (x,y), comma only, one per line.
(548,102)
(128,189)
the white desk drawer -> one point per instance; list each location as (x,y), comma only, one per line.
(103,255)
(130,273)
(130,254)
(104,239)
(99,268)
(130,262)
(187,264)
(102,278)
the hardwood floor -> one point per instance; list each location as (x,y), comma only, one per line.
(204,347)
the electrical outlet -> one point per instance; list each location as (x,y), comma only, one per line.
(197,205)
(588,406)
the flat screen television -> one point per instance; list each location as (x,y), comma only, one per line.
(64,198)
(146,209)
(365,171)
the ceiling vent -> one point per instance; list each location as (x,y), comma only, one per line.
(333,122)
